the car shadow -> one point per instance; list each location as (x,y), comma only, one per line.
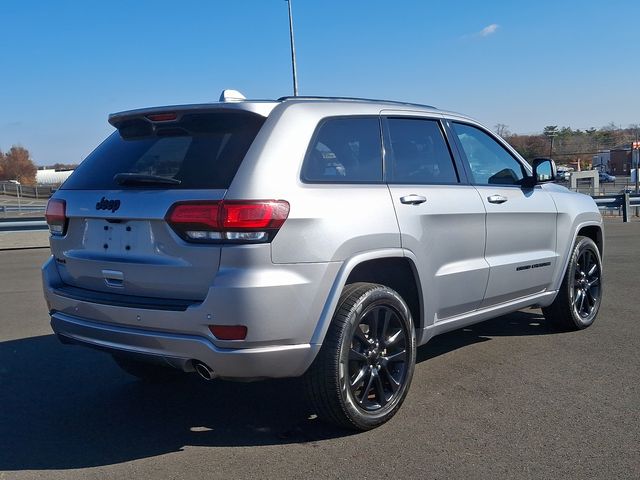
(517,324)
(65,407)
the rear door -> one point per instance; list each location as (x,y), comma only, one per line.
(117,240)
(521,222)
(441,217)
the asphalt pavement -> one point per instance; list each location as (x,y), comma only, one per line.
(509,398)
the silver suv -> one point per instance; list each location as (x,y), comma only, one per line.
(315,237)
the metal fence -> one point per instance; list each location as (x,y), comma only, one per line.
(26,191)
(619,186)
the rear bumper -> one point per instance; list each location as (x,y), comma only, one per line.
(279,304)
(181,351)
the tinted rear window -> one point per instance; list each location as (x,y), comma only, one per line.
(202,151)
(418,153)
(345,150)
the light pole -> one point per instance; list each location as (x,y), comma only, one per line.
(635,162)
(293,51)
(17,183)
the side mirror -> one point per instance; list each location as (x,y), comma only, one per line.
(544,170)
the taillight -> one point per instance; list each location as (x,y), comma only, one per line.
(56,216)
(228,221)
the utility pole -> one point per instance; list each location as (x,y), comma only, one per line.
(551,132)
(293,51)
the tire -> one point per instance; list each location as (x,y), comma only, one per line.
(147,372)
(364,368)
(580,296)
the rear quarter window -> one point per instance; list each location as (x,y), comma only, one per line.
(201,151)
(345,150)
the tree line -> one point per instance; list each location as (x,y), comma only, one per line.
(569,146)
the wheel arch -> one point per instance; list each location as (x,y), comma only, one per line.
(590,229)
(594,232)
(394,268)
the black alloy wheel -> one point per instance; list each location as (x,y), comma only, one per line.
(378,357)
(363,371)
(580,295)
(586,284)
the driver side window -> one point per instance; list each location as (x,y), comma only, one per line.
(489,162)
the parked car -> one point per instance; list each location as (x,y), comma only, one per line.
(316,237)
(605,177)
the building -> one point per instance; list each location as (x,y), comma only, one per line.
(601,161)
(49,176)
(620,161)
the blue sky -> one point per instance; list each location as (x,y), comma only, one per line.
(68,64)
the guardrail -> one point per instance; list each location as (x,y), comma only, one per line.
(624,202)
(22,208)
(22,224)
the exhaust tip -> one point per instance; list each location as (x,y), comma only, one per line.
(204,371)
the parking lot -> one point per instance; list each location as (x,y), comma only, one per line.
(508,398)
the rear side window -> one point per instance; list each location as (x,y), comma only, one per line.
(200,151)
(345,150)
(418,153)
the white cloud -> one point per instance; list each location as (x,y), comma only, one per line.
(488,30)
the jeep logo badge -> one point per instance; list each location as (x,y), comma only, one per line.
(105,204)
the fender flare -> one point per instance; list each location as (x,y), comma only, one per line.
(589,223)
(341,279)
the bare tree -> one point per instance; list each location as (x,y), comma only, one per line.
(502,130)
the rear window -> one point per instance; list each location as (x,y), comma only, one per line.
(201,151)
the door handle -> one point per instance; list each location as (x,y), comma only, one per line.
(497,199)
(413,199)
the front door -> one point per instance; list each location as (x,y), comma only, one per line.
(521,222)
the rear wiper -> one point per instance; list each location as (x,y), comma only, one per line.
(143,179)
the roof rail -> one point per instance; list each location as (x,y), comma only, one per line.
(355,99)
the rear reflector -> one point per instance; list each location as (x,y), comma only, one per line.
(229,332)
(56,216)
(228,221)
